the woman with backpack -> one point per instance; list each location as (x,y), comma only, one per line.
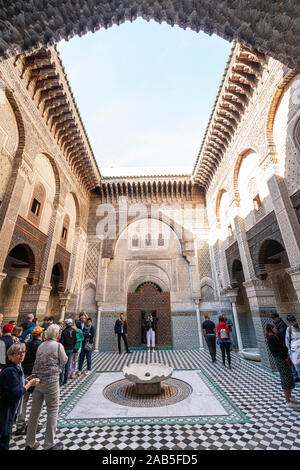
(224,340)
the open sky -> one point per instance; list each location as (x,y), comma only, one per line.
(145,91)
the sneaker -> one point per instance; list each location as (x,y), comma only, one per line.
(294,406)
(20,431)
(88,372)
(229,366)
(128,352)
(58,446)
(34,447)
(294,400)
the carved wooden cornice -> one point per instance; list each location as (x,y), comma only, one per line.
(48,85)
(239,82)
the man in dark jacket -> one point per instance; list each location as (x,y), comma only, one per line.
(68,340)
(121,332)
(28,363)
(280,327)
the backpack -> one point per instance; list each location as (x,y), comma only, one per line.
(224,334)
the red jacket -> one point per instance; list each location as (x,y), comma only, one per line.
(220,326)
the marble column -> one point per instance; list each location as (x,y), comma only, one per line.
(97,338)
(197,301)
(232,296)
(64,298)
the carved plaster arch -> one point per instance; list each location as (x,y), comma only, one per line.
(171,226)
(237,167)
(148,273)
(19,154)
(273,110)
(262,26)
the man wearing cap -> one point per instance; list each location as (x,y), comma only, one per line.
(28,363)
(68,340)
(292,341)
(280,327)
(6,338)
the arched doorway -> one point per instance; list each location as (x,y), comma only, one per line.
(20,269)
(273,264)
(147,299)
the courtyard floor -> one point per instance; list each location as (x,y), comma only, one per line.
(242,408)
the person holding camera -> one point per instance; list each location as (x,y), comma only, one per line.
(13,387)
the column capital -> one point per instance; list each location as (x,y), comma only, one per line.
(196,300)
(2,277)
(64,297)
(99,304)
(232,293)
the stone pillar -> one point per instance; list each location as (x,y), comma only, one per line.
(232,295)
(64,298)
(2,277)
(197,301)
(99,311)
(295,276)
(262,304)
(34,300)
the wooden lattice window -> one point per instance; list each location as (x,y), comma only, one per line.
(37,203)
(257,202)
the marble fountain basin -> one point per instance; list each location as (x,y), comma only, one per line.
(251,353)
(147,377)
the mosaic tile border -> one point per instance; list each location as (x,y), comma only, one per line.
(234,414)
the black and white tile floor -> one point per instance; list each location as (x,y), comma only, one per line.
(254,390)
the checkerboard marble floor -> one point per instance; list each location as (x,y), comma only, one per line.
(254,390)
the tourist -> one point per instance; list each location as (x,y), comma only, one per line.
(280,327)
(151,328)
(81,322)
(209,333)
(49,322)
(1,321)
(13,387)
(68,340)
(224,340)
(44,325)
(13,323)
(87,346)
(283,363)
(76,352)
(6,338)
(121,332)
(16,334)
(228,322)
(31,349)
(50,357)
(28,326)
(292,341)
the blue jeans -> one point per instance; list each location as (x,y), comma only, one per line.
(88,355)
(63,378)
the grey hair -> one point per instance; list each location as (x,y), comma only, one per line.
(14,348)
(53,331)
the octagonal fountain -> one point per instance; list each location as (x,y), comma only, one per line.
(147,377)
(147,385)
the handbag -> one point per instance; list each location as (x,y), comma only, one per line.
(88,346)
(288,361)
